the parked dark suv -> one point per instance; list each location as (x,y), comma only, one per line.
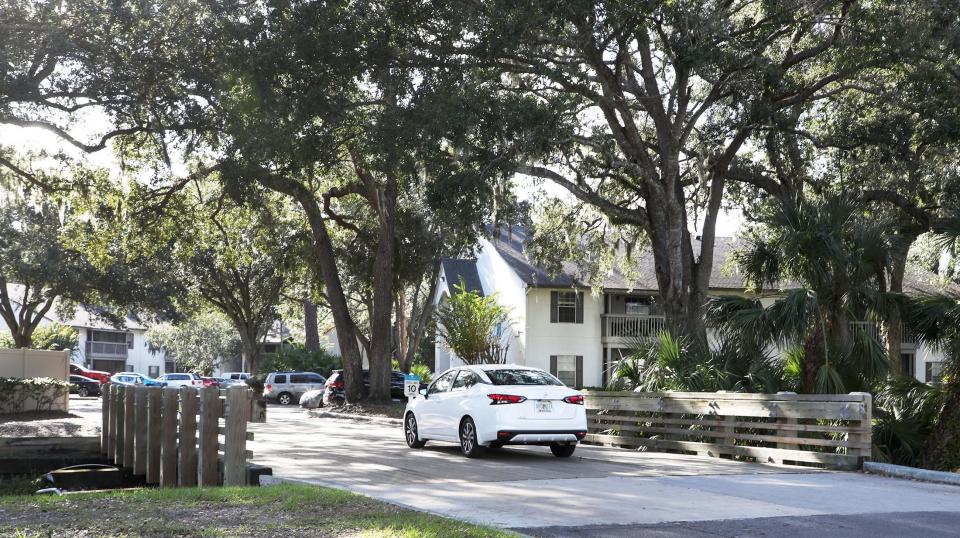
(333,391)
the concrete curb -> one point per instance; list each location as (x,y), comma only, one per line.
(319,413)
(911,473)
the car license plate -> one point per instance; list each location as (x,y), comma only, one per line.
(544,406)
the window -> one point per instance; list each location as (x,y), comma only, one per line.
(169,366)
(566,307)
(636,306)
(908,364)
(521,377)
(934,373)
(567,369)
(280,379)
(443,383)
(153,371)
(299,378)
(465,380)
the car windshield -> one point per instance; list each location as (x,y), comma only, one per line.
(521,377)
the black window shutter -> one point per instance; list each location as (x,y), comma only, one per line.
(553,306)
(553,365)
(579,371)
(579,307)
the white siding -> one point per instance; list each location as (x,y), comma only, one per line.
(545,339)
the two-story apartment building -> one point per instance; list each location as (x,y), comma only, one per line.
(105,347)
(560,325)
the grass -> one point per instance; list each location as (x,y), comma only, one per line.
(269,511)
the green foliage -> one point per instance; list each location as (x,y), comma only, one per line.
(832,259)
(42,392)
(671,363)
(56,337)
(198,344)
(473,326)
(296,357)
(423,371)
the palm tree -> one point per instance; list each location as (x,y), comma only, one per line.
(831,261)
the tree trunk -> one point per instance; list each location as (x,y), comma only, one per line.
(420,322)
(311,331)
(401,347)
(250,350)
(326,267)
(892,326)
(22,338)
(383,294)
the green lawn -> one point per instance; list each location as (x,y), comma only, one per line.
(269,511)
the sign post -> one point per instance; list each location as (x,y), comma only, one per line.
(411,385)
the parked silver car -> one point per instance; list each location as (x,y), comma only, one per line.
(287,387)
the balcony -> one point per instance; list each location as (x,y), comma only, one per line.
(632,326)
(111,350)
(873,329)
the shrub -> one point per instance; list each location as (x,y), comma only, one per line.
(296,357)
(16,392)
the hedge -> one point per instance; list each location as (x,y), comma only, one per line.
(42,392)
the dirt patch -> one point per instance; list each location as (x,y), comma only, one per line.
(392,410)
(47,424)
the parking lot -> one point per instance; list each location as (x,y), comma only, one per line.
(529,489)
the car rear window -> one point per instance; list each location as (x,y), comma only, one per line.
(521,377)
(280,379)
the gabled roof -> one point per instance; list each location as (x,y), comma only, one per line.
(456,270)
(510,244)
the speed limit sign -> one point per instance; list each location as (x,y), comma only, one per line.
(411,385)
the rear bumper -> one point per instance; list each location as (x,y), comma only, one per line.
(538,437)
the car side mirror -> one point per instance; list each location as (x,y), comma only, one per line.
(423,392)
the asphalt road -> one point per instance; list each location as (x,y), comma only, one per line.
(644,494)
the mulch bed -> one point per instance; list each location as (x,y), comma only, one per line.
(46,424)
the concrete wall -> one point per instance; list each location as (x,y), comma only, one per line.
(28,363)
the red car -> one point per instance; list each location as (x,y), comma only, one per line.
(102,377)
(211,382)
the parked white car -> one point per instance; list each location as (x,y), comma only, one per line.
(181,380)
(495,405)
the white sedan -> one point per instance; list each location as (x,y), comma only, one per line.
(495,405)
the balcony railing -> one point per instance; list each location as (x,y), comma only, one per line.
(632,326)
(873,329)
(106,349)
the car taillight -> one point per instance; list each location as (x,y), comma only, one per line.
(269,387)
(503,399)
(576,399)
(336,384)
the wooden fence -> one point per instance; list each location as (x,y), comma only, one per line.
(832,431)
(172,436)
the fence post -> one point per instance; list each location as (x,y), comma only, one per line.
(187,464)
(235,440)
(787,433)
(209,423)
(153,434)
(140,431)
(118,425)
(105,419)
(128,426)
(107,411)
(168,436)
(863,429)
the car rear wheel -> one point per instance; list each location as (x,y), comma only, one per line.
(563,451)
(83,392)
(410,432)
(285,398)
(468,439)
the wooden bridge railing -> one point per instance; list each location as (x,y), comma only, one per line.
(171,436)
(832,431)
